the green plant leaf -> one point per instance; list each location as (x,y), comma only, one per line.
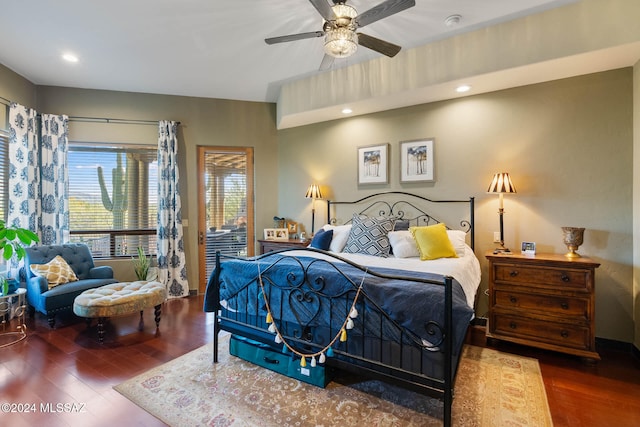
(7,251)
(11,234)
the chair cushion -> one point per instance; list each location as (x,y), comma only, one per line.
(56,271)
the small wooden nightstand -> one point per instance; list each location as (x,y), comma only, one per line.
(276,245)
(545,301)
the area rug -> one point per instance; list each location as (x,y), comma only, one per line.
(492,389)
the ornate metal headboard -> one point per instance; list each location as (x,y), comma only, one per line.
(415,209)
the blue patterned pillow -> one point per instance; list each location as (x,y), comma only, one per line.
(369,236)
(322,239)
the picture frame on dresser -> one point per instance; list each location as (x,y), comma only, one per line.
(373,164)
(417,160)
(276,234)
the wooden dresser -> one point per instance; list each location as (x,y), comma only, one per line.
(545,301)
(276,245)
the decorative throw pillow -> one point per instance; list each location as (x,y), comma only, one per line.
(340,236)
(433,242)
(400,225)
(403,245)
(369,236)
(56,271)
(322,239)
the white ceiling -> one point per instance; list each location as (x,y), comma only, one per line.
(208,48)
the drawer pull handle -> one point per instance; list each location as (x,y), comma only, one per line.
(565,278)
(513,273)
(513,299)
(270,360)
(513,325)
(565,306)
(564,334)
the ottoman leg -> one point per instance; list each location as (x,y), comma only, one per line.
(88,321)
(158,312)
(141,324)
(101,330)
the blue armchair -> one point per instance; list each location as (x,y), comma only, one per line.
(60,298)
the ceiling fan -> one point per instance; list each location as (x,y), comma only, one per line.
(341,22)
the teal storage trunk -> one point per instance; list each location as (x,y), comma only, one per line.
(263,355)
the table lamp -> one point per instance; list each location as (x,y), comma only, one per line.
(501,184)
(313,193)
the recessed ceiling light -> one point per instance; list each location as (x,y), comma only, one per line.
(463,88)
(347,111)
(70,57)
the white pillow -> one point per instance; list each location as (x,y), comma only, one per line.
(458,240)
(340,236)
(404,245)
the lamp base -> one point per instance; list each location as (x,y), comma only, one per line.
(501,250)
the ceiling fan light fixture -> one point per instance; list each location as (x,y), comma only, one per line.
(340,43)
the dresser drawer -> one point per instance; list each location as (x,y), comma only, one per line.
(542,331)
(576,308)
(555,277)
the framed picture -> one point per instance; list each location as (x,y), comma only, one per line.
(292,227)
(416,161)
(276,234)
(528,248)
(373,164)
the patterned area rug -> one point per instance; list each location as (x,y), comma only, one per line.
(492,389)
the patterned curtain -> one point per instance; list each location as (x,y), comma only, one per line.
(54,180)
(24,171)
(172,267)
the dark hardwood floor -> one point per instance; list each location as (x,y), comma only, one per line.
(68,366)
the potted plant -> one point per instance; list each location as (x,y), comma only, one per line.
(141,264)
(12,242)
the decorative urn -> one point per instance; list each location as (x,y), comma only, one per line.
(573,238)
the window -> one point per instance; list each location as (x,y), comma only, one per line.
(113,198)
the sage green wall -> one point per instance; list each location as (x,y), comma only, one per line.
(204,122)
(567,144)
(14,87)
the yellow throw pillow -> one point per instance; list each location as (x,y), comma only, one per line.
(433,242)
(56,271)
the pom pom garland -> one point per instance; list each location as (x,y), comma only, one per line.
(342,335)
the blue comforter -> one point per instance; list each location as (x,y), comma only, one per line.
(297,291)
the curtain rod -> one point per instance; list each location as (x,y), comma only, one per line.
(7,102)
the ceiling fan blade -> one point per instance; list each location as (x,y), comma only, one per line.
(325,10)
(294,37)
(387,8)
(381,46)
(327,62)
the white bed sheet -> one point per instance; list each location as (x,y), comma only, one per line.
(466,269)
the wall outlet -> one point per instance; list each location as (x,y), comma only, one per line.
(496,237)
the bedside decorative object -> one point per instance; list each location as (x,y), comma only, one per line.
(276,234)
(313,193)
(501,184)
(528,248)
(573,238)
(543,300)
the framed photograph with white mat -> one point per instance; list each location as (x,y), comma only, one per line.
(373,164)
(417,161)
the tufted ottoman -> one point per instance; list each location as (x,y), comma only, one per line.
(119,299)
